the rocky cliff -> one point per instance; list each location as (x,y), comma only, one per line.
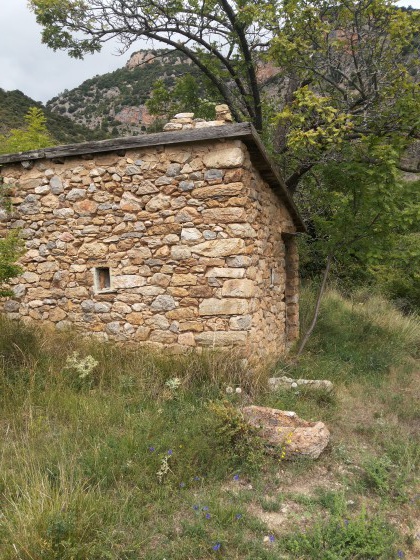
(141,58)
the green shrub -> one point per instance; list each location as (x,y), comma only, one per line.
(392,474)
(377,475)
(10,250)
(240,441)
(361,537)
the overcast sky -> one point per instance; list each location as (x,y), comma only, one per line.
(41,73)
(28,65)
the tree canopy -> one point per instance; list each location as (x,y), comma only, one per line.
(31,137)
(221,37)
(353,75)
(186,93)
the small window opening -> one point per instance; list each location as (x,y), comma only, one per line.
(102,278)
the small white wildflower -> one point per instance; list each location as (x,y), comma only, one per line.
(164,468)
(238,390)
(173,383)
(229,390)
(81,368)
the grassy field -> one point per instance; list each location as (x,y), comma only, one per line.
(128,454)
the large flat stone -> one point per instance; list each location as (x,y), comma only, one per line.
(128,281)
(238,288)
(226,306)
(217,272)
(276,383)
(287,432)
(224,158)
(231,189)
(221,338)
(224,215)
(219,247)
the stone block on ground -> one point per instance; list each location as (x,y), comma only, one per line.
(276,383)
(279,428)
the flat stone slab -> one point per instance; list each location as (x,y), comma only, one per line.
(275,383)
(284,429)
(184,116)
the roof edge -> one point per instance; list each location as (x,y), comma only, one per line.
(126,142)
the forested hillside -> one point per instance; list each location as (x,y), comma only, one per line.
(115,102)
(14,105)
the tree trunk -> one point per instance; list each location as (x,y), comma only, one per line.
(317,306)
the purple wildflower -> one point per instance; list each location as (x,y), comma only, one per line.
(196,478)
(236,477)
(205,508)
(151,449)
(271,538)
(196,508)
(217,546)
(208,516)
(170,451)
(238,516)
(400,554)
(182,484)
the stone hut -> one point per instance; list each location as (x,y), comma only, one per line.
(179,239)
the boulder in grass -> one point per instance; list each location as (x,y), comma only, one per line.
(285,430)
(275,383)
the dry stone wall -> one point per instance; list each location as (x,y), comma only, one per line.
(191,237)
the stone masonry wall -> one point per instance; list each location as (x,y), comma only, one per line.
(192,237)
(275,270)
